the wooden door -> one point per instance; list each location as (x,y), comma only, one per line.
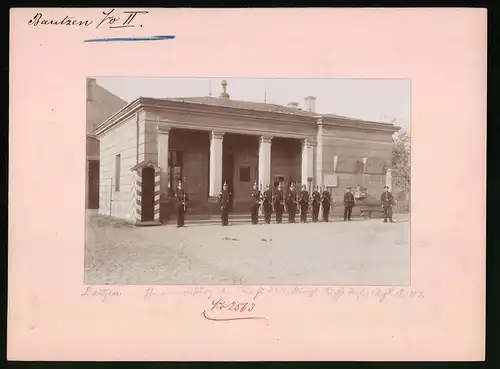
(93,184)
(148,194)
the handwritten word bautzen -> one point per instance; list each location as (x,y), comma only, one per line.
(101,293)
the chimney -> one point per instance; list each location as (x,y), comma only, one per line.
(310,103)
(224,94)
(293,104)
(90,88)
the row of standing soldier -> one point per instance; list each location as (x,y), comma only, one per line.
(292,200)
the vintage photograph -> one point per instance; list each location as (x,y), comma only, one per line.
(224,181)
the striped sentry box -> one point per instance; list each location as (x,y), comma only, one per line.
(138,174)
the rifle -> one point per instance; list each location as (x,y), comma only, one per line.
(184,201)
(296,202)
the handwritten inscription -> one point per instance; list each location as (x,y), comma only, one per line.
(108,19)
(102,293)
(380,294)
(159,292)
(232,306)
(126,20)
(231,310)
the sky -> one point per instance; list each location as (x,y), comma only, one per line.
(380,100)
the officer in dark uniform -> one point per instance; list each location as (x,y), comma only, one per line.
(304,204)
(181,198)
(171,203)
(316,203)
(291,203)
(348,204)
(224,198)
(254,208)
(387,200)
(326,201)
(279,203)
(267,203)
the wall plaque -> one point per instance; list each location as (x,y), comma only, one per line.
(331,180)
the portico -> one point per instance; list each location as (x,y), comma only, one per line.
(204,160)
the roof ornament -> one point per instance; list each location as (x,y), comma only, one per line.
(224,94)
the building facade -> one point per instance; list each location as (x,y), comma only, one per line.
(207,141)
(101,104)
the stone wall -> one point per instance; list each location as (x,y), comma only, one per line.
(120,140)
(195,146)
(362,158)
(245,150)
(92,147)
(286,159)
(100,105)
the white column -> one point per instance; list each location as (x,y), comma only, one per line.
(307,161)
(163,140)
(319,155)
(265,161)
(388,178)
(215,185)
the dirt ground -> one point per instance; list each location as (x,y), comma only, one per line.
(361,252)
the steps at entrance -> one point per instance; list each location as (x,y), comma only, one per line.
(244,218)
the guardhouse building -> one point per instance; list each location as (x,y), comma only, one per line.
(151,144)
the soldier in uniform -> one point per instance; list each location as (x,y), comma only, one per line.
(348,204)
(279,203)
(181,198)
(316,203)
(267,203)
(386,199)
(304,204)
(255,204)
(326,201)
(224,204)
(291,203)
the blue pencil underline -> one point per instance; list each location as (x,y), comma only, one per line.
(128,39)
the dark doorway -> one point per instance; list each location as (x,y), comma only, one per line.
(93,184)
(228,175)
(148,194)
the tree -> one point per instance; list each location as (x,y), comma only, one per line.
(401,178)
